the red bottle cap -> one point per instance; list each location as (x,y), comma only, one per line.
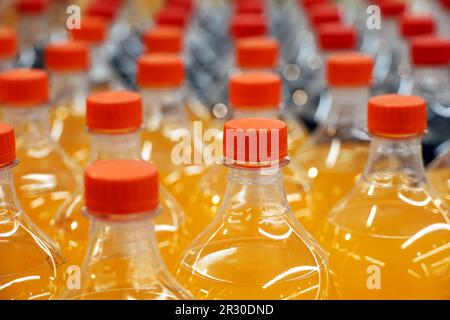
(324,13)
(248,25)
(391,8)
(249,6)
(8,43)
(67,56)
(445,4)
(121,187)
(257,52)
(395,115)
(7,144)
(307,4)
(351,69)
(102,9)
(255,140)
(430,51)
(163,40)
(92,30)
(31,7)
(337,36)
(412,25)
(172,16)
(187,5)
(114,110)
(24,87)
(255,90)
(160,71)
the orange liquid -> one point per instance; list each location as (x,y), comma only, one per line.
(333,171)
(179,179)
(440,179)
(243,263)
(72,232)
(44,180)
(389,243)
(29,270)
(69,129)
(118,279)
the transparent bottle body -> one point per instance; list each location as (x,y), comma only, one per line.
(33,33)
(335,154)
(388,238)
(68,114)
(123,262)
(47,176)
(439,175)
(6,63)
(32,266)
(254,248)
(209,193)
(72,226)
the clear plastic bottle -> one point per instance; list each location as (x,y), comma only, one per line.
(123,261)
(33,29)
(8,48)
(31,265)
(336,151)
(389,237)
(430,56)
(443,12)
(255,94)
(68,66)
(94,31)
(46,177)
(255,248)
(439,174)
(167,126)
(114,121)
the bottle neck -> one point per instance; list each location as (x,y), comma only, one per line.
(431,82)
(271,113)
(109,146)
(31,126)
(255,188)
(163,106)
(392,157)
(71,89)
(130,239)
(348,107)
(8,200)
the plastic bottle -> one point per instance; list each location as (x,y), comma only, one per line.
(388,238)
(68,66)
(255,94)
(33,29)
(439,174)
(336,151)
(8,48)
(31,265)
(114,121)
(123,261)
(430,56)
(46,176)
(94,31)
(255,248)
(166,124)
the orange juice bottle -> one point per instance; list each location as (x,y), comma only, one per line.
(166,125)
(255,248)
(254,94)
(439,174)
(31,265)
(114,120)
(335,154)
(169,39)
(123,261)
(46,177)
(68,65)
(389,237)
(8,48)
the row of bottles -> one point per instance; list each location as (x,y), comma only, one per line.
(252,207)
